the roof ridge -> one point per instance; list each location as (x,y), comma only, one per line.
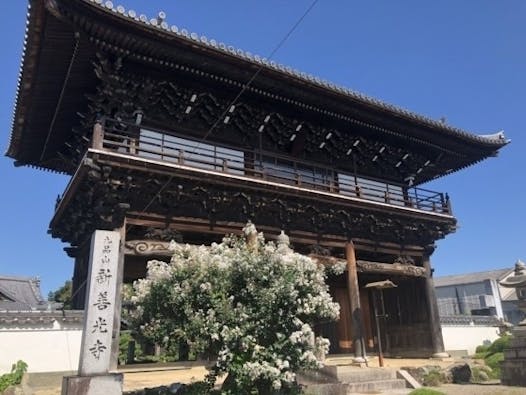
(160,23)
(19,278)
(472,273)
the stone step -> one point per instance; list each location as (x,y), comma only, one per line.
(327,389)
(393,386)
(352,374)
(375,386)
(315,377)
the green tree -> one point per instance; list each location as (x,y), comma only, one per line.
(62,295)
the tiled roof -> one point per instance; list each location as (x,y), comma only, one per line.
(462,320)
(20,293)
(470,278)
(160,24)
(20,318)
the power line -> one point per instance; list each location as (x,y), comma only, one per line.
(223,114)
(254,76)
(234,101)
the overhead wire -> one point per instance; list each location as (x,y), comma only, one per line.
(234,101)
(223,114)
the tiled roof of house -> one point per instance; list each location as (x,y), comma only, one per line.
(20,293)
(25,318)
(470,278)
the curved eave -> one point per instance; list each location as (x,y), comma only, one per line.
(160,30)
(429,130)
(36,13)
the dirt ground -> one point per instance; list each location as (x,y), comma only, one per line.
(479,389)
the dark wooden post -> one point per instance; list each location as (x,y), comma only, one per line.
(407,199)
(448,205)
(437,342)
(354,303)
(114,362)
(78,290)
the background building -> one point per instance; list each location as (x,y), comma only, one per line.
(477,294)
(473,308)
(34,330)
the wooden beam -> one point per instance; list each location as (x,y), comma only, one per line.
(198,225)
(147,248)
(391,268)
(375,267)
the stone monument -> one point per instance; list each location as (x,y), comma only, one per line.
(514,365)
(94,377)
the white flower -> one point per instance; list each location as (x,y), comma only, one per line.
(236,298)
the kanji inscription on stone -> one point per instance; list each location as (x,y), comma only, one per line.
(100,303)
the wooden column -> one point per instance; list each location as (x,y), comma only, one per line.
(437,342)
(78,282)
(97,138)
(354,303)
(114,362)
(80,276)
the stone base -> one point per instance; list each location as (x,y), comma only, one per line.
(108,384)
(359,361)
(512,372)
(440,356)
(513,367)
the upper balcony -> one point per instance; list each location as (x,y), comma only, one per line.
(253,164)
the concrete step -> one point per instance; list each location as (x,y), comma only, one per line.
(376,386)
(315,377)
(344,380)
(352,374)
(327,389)
(393,386)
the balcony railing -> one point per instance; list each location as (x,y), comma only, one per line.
(130,139)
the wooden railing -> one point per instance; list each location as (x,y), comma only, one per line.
(148,143)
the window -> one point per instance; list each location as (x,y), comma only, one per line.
(370,189)
(170,148)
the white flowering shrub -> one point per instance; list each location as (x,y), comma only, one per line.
(248,305)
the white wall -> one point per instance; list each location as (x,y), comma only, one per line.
(45,348)
(467,337)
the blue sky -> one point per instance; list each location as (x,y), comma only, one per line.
(463,60)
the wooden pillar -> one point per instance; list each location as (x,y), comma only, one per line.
(97,138)
(437,342)
(78,291)
(354,303)
(114,361)
(80,277)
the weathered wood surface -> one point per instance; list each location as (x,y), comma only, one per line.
(147,247)
(353,290)
(376,267)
